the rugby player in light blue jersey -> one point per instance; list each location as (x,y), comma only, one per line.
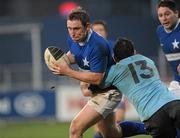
(136,76)
(169,36)
(129,128)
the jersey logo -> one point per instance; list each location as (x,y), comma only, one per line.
(175,44)
(86,63)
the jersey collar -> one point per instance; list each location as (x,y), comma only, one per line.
(89,35)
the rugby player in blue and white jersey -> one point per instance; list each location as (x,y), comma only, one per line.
(169,36)
(91,53)
(136,76)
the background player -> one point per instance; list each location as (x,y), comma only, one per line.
(169,36)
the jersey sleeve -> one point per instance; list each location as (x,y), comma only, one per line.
(69,42)
(99,59)
(108,78)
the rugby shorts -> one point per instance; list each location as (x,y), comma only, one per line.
(105,102)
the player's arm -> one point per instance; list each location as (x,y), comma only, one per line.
(65,69)
(85,89)
(178,69)
(88,77)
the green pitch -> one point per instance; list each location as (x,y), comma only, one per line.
(41,130)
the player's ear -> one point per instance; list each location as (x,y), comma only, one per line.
(88,26)
(177,13)
(114,58)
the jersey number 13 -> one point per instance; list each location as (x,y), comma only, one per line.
(143,66)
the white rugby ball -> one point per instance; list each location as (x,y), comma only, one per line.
(54,54)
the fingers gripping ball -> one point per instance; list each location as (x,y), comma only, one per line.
(56,54)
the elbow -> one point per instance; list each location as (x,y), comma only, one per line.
(98,79)
(97,82)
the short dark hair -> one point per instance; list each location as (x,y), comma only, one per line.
(101,22)
(168,3)
(123,48)
(79,14)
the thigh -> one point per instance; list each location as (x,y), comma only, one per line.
(108,127)
(173,109)
(106,123)
(160,125)
(86,118)
(105,103)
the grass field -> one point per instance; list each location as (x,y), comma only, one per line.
(40,130)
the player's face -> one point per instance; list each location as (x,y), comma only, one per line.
(167,17)
(98,28)
(77,31)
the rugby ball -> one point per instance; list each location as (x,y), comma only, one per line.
(56,54)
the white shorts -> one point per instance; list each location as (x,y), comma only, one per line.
(121,104)
(105,102)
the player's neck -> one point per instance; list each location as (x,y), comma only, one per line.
(86,38)
(173,27)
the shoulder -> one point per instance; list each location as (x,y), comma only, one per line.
(111,43)
(160,29)
(97,39)
(141,57)
(134,58)
(145,60)
(98,42)
(178,27)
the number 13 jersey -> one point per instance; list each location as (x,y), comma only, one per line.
(138,79)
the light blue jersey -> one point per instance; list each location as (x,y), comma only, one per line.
(138,79)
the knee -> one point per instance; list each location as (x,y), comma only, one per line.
(75,129)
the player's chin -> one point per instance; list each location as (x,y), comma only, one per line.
(75,39)
(168,27)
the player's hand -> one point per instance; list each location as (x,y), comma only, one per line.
(84,89)
(178,69)
(59,69)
